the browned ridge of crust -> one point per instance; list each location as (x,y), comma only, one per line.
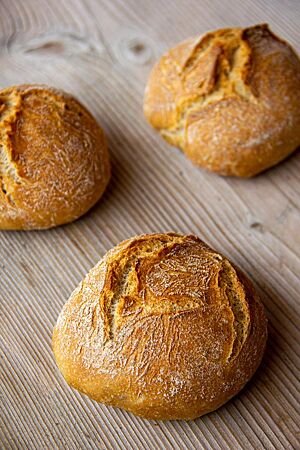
(230,100)
(54,162)
(162,326)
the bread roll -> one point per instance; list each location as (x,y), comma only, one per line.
(54,162)
(230,100)
(162,326)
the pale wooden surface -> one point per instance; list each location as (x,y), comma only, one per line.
(102,51)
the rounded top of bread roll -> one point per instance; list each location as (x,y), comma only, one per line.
(229,99)
(54,162)
(162,326)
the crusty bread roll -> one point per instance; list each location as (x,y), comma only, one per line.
(230,100)
(162,326)
(54,162)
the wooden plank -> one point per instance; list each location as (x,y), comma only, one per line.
(102,51)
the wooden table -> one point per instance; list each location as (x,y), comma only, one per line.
(102,51)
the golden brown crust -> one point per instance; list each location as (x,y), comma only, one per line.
(230,100)
(162,326)
(54,162)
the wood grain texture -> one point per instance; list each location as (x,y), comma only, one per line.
(102,52)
